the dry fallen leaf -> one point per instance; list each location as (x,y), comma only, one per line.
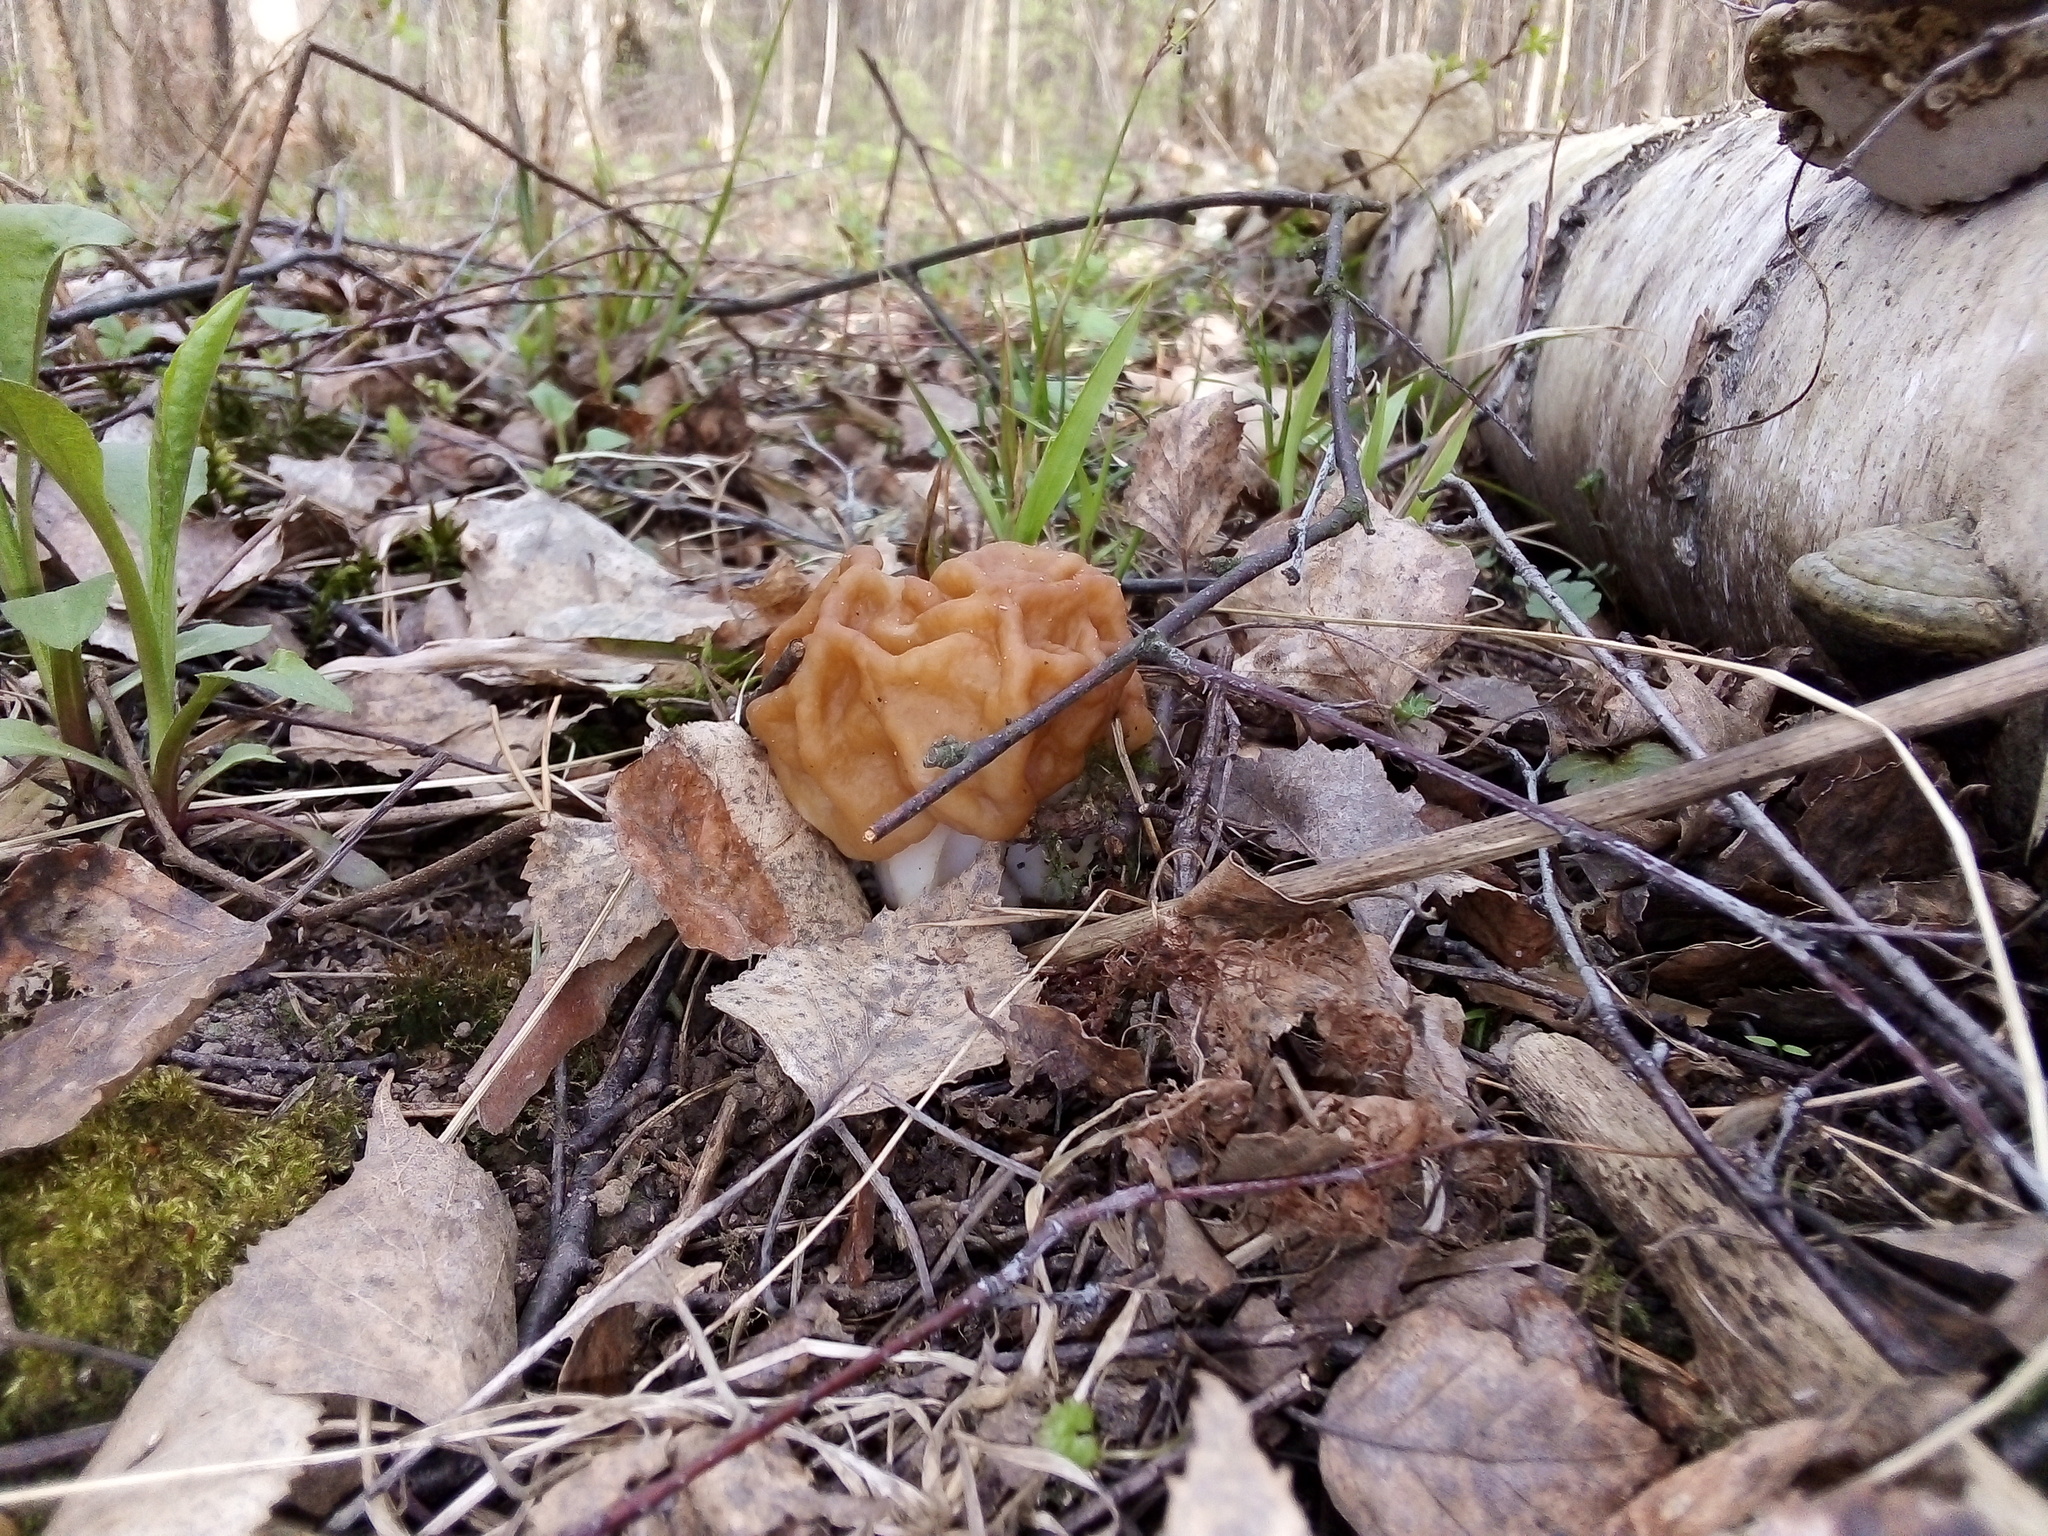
(396,1286)
(349,488)
(1187,479)
(513,661)
(1041,1038)
(1443,1430)
(195,1408)
(889,1007)
(141,956)
(702,820)
(572,871)
(434,711)
(1229,1487)
(1332,805)
(602,1348)
(549,570)
(1399,571)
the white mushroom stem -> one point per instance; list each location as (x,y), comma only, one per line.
(926,864)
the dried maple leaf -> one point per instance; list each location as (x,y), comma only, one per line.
(1443,1430)
(396,1286)
(141,955)
(891,1007)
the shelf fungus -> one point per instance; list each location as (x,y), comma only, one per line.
(1909,600)
(1978,87)
(900,676)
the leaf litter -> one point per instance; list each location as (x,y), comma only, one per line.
(525,528)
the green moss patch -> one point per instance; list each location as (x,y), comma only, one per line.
(114,1234)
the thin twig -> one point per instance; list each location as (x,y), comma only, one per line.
(420,881)
(1762,1204)
(1780,933)
(531,166)
(259,193)
(346,843)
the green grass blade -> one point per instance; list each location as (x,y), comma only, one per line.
(180,410)
(1301,410)
(964,466)
(1386,415)
(1062,455)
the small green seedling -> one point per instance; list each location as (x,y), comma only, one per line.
(1068,1429)
(134,498)
(1581,771)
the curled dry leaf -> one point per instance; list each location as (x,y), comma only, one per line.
(512,662)
(549,570)
(1188,477)
(1399,571)
(396,1286)
(1442,1428)
(1041,1038)
(891,1006)
(572,871)
(434,711)
(195,1408)
(601,1349)
(703,822)
(141,955)
(1333,805)
(1229,1487)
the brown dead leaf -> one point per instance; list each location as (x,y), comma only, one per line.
(1229,1487)
(715,425)
(1372,1128)
(571,872)
(140,955)
(1873,1512)
(1398,571)
(777,593)
(395,1287)
(703,822)
(1717,726)
(891,1005)
(1864,820)
(432,710)
(1040,1038)
(1187,479)
(1441,1428)
(1331,805)
(195,1408)
(601,1350)
(1769,1466)
(1503,924)
(548,570)
(580,1498)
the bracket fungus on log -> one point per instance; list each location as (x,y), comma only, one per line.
(900,675)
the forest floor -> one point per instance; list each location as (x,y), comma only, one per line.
(1310,1133)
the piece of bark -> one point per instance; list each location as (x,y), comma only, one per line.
(1768,1343)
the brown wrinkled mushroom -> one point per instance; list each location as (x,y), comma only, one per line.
(899,675)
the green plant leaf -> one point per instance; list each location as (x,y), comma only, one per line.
(1062,455)
(180,410)
(64,619)
(1581,771)
(1386,415)
(212,639)
(605,440)
(964,467)
(1301,410)
(1577,593)
(59,439)
(293,322)
(33,240)
(287,676)
(556,406)
(232,756)
(23,738)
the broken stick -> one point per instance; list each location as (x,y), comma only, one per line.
(1990,689)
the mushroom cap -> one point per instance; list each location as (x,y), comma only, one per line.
(894,666)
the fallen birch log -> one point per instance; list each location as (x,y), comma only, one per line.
(1985,690)
(1744,365)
